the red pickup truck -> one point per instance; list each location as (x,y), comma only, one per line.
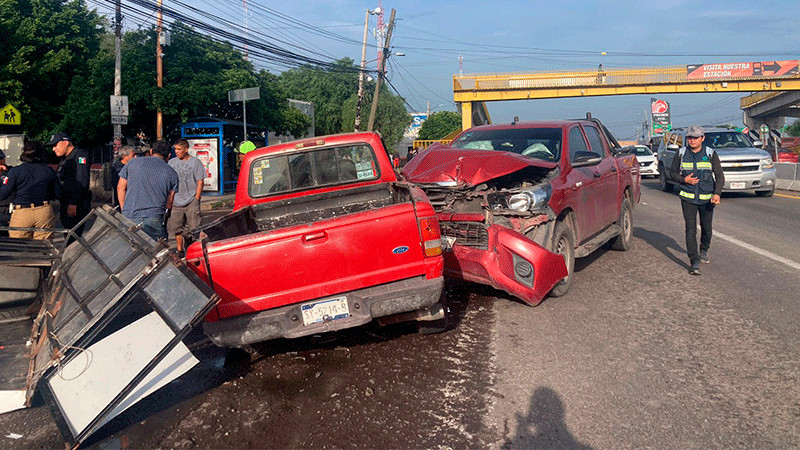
(323,236)
(517,203)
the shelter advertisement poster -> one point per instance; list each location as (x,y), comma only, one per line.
(742,69)
(207,151)
(660,116)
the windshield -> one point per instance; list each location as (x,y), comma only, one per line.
(539,143)
(642,151)
(726,139)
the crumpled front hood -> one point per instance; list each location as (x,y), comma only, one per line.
(442,163)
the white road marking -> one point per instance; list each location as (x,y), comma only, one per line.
(762,252)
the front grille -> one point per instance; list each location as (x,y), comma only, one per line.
(469,234)
(748,165)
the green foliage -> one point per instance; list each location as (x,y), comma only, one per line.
(794,128)
(391,119)
(439,125)
(326,89)
(46,46)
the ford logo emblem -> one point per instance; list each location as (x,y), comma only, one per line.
(399,250)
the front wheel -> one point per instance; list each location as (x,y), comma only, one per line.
(564,245)
(768,193)
(625,222)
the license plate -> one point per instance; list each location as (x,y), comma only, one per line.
(447,242)
(738,185)
(325,311)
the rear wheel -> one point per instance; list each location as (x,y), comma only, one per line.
(564,245)
(663,184)
(625,222)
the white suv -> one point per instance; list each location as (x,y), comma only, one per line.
(747,168)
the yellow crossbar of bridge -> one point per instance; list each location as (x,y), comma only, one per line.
(469,89)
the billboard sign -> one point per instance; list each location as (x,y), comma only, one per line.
(742,70)
(659,110)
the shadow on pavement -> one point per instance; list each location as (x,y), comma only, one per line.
(664,244)
(543,426)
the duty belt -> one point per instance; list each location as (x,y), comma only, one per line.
(31,205)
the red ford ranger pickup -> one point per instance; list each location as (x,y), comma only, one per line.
(323,236)
(517,203)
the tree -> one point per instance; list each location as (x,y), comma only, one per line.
(439,125)
(46,46)
(794,128)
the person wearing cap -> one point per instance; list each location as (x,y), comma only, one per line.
(697,169)
(73,172)
(34,186)
(146,188)
(185,214)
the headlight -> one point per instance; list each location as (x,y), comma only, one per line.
(767,163)
(529,200)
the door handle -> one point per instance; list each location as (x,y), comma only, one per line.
(597,174)
(613,169)
(314,236)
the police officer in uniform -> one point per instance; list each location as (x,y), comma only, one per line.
(35,185)
(73,171)
(698,171)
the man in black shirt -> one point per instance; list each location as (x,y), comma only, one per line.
(35,186)
(73,172)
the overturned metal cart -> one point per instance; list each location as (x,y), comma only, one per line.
(96,325)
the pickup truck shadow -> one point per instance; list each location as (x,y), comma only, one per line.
(543,426)
(663,243)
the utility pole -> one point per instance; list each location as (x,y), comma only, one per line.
(381,73)
(361,74)
(118,70)
(159,72)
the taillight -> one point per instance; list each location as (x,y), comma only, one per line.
(431,236)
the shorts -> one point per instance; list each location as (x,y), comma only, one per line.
(183,219)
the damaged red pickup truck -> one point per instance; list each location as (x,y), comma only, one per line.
(517,203)
(323,237)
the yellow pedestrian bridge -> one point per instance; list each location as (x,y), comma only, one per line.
(470,91)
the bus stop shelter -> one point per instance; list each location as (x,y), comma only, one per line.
(213,142)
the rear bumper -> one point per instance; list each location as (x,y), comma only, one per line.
(402,296)
(511,262)
(762,181)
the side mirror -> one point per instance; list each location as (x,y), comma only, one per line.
(758,144)
(583,159)
(673,147)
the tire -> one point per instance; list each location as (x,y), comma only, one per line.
(625,221)
(663,184)
(768,193)
(563,244)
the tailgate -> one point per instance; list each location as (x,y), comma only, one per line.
(321,258)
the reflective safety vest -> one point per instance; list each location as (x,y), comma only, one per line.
(698,164)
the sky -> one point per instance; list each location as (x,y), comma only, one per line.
(524,36)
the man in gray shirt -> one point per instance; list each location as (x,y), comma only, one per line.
(146,189)
(185,214)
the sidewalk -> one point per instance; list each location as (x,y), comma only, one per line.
(212,202)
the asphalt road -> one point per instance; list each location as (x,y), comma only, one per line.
(638,354)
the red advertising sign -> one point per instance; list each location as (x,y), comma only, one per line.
(742,70)
(660,116)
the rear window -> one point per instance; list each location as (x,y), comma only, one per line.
(320,167)
(540,143)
